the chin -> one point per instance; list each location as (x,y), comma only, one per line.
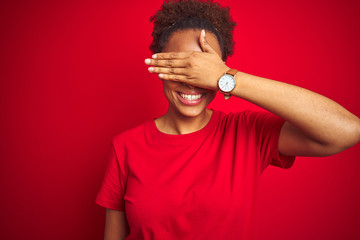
(191,111)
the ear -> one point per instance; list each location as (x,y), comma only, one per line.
(205,46)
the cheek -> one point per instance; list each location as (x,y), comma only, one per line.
(169,87)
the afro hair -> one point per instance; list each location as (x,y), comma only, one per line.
(176,15)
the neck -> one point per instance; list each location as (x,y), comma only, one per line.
(175,123)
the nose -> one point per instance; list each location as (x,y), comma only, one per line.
(189,86)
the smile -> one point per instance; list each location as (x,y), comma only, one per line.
(190,99)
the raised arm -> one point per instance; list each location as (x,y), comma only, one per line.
(315,125)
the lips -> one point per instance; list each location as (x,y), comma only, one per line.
(190,99)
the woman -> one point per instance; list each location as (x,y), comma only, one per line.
(192,173)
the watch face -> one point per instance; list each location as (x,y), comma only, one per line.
(227,83)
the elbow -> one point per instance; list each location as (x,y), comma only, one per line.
(356,135)
(350,137)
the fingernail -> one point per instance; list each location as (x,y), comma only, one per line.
(147,61)
(150,69)
(154,56)
(161,75)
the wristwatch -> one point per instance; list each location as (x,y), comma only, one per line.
(227,83)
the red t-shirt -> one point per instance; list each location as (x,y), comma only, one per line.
(199,185)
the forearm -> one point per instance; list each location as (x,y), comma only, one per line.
(318,117)
(116,226)
(312,119)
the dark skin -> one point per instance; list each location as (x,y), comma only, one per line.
(191,63)
(320,129)
(182,118)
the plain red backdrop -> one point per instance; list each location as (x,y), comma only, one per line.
(73,76)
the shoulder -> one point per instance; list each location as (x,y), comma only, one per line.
(248,120)
(242,116)
(130,134)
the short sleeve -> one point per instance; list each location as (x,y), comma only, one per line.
(267,128)
(112,190)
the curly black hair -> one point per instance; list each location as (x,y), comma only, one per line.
(176,15)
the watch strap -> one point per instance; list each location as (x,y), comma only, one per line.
(231,72)
(227,96)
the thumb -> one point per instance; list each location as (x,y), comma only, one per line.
(205,46)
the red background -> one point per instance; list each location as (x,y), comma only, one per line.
(73,76)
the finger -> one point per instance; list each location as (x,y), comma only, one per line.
(171,55)
(173,77)
(205,46)
(177,71)
(166,63)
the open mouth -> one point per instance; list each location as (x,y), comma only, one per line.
(190,99)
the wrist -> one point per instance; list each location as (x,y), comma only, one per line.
(227,82)
(221,71)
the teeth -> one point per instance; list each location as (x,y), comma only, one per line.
(190,97)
